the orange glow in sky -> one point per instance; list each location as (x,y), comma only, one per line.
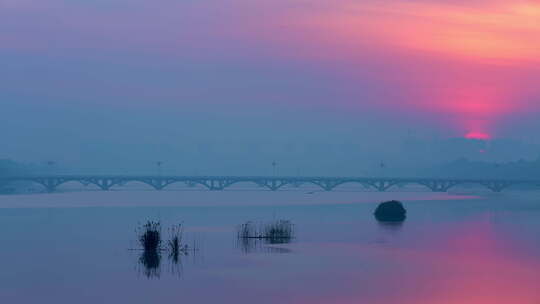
(491,31)
(477,135)
(474,45)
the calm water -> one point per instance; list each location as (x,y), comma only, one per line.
(74,248)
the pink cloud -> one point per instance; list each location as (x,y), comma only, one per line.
(467,65)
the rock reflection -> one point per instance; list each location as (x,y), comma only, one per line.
(391,226)
(389,231)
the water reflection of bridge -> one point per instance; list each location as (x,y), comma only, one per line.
(274,183)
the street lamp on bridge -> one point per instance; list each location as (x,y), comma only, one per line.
(159,164)
(50,166)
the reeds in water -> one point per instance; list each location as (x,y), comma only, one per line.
(150,239)
(150,236)
(275,232)
(278,232)
(151,262)
(174,244)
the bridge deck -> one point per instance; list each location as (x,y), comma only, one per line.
(274,183)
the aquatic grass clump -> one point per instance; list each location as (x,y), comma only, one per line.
(150,236)
(275,232)
(151,243)
(151,262)
(248,230)
(278,232)
(174,243)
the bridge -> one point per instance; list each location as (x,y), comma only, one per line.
(273,183)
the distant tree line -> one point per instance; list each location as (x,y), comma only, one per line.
(12,168)
(465,168)
(9,167)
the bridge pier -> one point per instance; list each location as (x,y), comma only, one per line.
(104,184)
(216,184)
(158,183)
(381,185)
(327,185)
(190,184)
(50,184)
(439,186)
(497,186)
(296,184)
(273,184)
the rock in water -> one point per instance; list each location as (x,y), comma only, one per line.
(391,211)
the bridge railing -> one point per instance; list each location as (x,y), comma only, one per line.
(274,183)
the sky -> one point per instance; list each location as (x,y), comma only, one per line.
(228,86)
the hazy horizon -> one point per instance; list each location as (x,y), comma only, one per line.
(227,87)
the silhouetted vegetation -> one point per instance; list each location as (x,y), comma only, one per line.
(391,211)
(276,232)
(151,262)
(473,169)
(150,240)
(11,168)
(174,244)
(253,237)
(150,236)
